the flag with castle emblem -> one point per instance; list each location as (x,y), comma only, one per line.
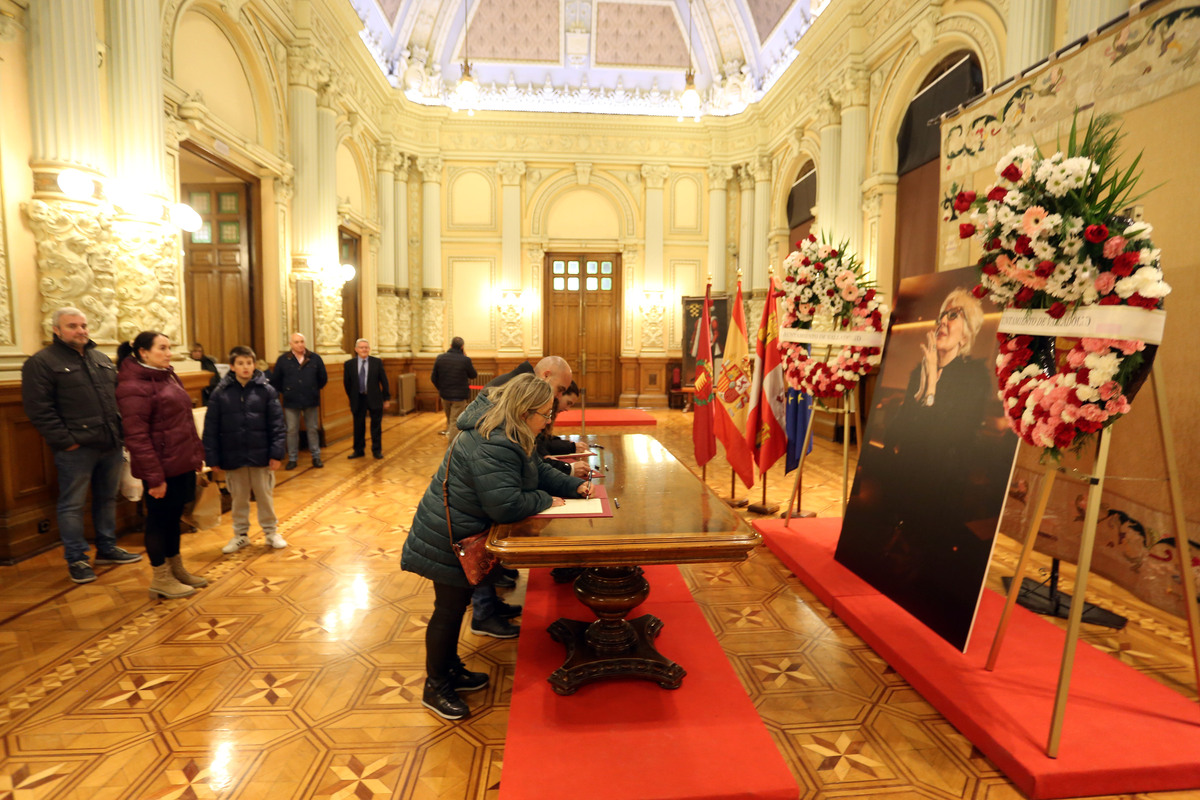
(733,395)
(766,433)
(704,442)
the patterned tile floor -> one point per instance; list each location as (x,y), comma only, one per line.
(297,673)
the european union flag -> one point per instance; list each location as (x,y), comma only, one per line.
(799,408)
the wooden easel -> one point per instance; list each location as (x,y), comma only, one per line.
(1086,544)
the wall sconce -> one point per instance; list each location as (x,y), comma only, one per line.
(76,184)
(185,217)
(338,273)
(133,202)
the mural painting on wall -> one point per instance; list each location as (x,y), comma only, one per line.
(938,454)
(1147,58)
(693,309)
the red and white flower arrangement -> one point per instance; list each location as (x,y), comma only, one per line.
(1053,240)
(823,281)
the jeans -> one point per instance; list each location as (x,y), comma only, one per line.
(453,409)
(484,602)
(162,516)
(441,635)
(77,470)
(312,423)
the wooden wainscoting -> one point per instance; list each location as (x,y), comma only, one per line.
(29,482)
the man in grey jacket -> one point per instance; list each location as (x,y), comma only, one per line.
(69,392)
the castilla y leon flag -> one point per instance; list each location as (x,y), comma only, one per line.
(766,433)
(704,442)
(733,395)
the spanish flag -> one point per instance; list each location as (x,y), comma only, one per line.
(733,395)
(766,433)
(703,441)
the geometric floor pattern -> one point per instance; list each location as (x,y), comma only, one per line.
(297,673)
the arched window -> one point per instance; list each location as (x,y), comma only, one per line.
(956,79)
(801,200)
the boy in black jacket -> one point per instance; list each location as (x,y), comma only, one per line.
(244,435)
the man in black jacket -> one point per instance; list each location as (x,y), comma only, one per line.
(299,375)
(69,393)
(367,388)
(452,375)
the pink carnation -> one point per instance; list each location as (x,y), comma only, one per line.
(1105,282)
(1075,358)
(1114,247)
(1093,412)
(1110,390)
(1118,405)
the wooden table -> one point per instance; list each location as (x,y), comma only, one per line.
(666,515)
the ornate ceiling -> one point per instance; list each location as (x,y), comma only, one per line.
(601,56)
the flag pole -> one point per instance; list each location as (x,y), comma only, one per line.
(763,507)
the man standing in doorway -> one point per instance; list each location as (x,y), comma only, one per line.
(367,388)
(452,375)
(299,375)
(69,393)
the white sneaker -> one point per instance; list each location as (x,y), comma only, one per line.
(235,544)
(276,541)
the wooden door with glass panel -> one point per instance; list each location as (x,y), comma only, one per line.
(583,319)
(217,267)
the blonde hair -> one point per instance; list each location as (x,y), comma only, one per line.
(972,315)
(511,404)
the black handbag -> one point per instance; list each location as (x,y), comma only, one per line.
(473,556)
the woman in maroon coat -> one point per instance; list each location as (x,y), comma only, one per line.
(164,451)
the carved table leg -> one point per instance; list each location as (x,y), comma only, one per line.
(611,646)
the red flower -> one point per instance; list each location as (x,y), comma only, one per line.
(1082,376)
(963,201)
(997,194)
(796,245)
(788,279)
(1096,233)
(1024,296)
(990,269)
(994,244)
(869,296)
(812,237)
(1044,269)
(845,323)
(979,291)
(1022,246)
(1123,264)
(966,230)
(833,253)
(1064,436)
(1110,300)
(805,261)
(1057,310)
(1011,173)
(1088,425)
(829,292)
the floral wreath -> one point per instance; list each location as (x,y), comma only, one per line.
(1053,240)
(821,278)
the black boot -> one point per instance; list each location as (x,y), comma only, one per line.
(441,699)
(464,680)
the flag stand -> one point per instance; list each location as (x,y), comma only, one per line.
(733,500)
(849,412)
(1086,545)
(763,507)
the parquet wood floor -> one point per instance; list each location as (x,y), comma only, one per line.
(297,673)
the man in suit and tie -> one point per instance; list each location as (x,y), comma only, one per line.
(367,387)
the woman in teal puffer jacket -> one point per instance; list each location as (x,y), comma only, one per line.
(495,478)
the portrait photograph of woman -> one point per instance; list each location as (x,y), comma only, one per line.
(936,457)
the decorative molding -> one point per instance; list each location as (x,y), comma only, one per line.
(745,178)
(563,183)
(583,173)
(146,260)
(330,323)
(829,114)
(510,172)
(655,175)
(74,264)
(719,175)
(653,318)
(430,168)
(404,323)
(304,66)
(433,311)
(510,334)
(387,308)
(453,174)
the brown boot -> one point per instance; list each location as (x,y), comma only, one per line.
(163,584)
(180,573)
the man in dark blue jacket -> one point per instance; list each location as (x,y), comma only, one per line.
(244,436)
(452,375)
(300,376)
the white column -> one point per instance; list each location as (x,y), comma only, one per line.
(135,95)
(385,165)
(655,176)
(745,258)
(432,307)
(302,122)
(1030,33)
(719,176)
(761,169)
(510,219)
(1085,16)
(64,84)
(404,314)
(829,121)
(854,159)
(329,319)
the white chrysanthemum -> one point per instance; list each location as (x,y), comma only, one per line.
(1138,230)
(1147,282)
(1149,257)
(1088,394)
(1102,365)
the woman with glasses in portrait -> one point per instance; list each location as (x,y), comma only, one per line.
(493,476)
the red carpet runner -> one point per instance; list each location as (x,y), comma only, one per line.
(605,417)
(627,739)
(1124,732)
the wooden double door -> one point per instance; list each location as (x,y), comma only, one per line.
(218,269)
(583,319)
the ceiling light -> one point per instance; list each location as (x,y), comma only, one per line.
(690,99)
(466,93)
